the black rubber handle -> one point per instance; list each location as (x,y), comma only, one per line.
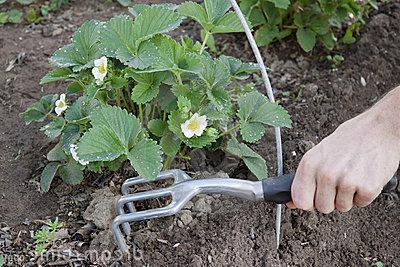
(278,189)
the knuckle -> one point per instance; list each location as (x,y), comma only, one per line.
(308,162)
(328,176)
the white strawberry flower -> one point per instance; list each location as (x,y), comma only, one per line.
(72,149)
(194,126)
(61,105)
(100,69)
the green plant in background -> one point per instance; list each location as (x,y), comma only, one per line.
(135,94)
(310,20)
(32,15)
(11,16)
(2,261)
(45,235)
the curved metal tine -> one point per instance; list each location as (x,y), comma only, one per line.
(129,199)
(138,216)
(177,175)
(138,180)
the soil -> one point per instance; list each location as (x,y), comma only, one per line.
(216,231)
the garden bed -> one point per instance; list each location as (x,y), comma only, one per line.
(216,231)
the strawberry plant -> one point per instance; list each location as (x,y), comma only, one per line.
(310,20)
(136,94)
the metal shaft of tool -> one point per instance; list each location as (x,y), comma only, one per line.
(270,93)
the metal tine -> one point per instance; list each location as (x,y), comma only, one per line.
(124,219)
(129,199)
(177,175)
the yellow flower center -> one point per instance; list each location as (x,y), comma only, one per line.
(194,125)
(102,69)
(61,104)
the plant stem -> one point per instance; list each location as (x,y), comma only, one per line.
(124,100)
(118,97)
(165,116)
(179,78)
(141,113)
(203,45)
(130,100)
(168,163)
(230,130)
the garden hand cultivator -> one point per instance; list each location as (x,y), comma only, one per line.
(184,188)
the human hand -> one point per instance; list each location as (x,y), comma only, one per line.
(352,165)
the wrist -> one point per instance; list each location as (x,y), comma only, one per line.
(386,115)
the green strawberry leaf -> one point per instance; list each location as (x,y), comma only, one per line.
(147,87)
(157,127)
(284,4)
(237,68)
(216,9)
(70,135)
(306,38)
(54,128)
(214,73)
(59,74)
(253,161)
(81,109)
(252,131)
(39,110)
(266,35)
(145,157)
(196,12)
(56,153)
(139,8)
(47,176)
(113,133)
(256,112)
(146,26)
(229,23)
(170,143)
(71,173)
(83,50)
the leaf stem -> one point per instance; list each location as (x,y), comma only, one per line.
(203,45)
(230,130)
(124,100)
(141,113)
(178,76)
(168,163)
(117,92)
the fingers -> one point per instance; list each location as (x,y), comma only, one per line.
(365,196)
(344,197)
(304,184)
(326,193)
(290,205)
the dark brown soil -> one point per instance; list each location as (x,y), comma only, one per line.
(235,233)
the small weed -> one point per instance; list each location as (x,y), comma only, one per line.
(335,60)
(44,236)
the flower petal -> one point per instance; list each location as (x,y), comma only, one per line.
(96,73)
(58,111)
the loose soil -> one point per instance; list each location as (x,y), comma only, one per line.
(235,232)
